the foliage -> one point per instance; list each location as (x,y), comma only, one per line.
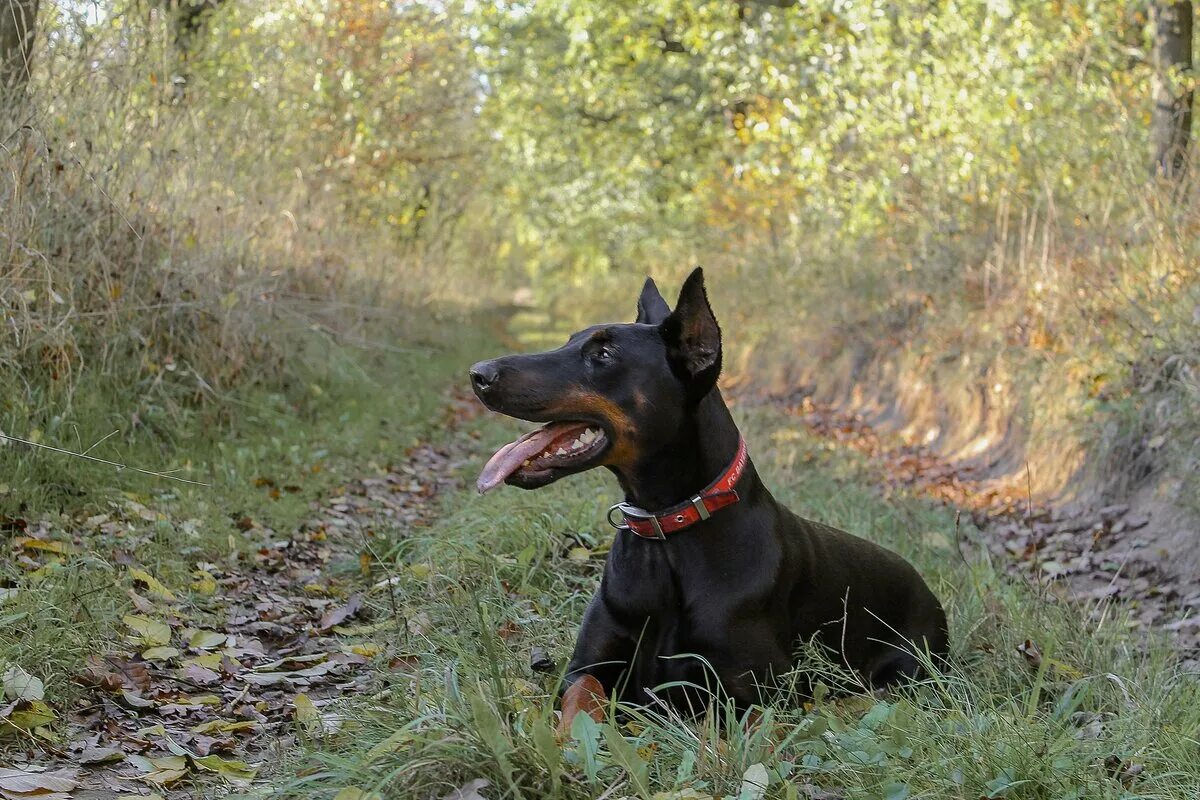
(739,121)
(371,101)
(167,253)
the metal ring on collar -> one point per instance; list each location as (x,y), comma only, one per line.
(621,526)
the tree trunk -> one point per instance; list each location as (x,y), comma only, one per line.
(1171,122)
(18,24)
(188,20)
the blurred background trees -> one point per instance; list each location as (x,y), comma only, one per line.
(18,20)
(1171,124)
(967,179)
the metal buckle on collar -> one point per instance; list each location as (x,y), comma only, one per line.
(627,511)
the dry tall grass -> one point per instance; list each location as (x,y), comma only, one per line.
(159,252)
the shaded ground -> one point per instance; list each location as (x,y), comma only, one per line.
(209,687)
(1093,555)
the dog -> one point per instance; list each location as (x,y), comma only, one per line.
(705,561)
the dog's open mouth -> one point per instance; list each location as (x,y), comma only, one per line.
(541,456)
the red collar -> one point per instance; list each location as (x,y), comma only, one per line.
(718,494)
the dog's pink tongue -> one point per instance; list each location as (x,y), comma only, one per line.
(508,459)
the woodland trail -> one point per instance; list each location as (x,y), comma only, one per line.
(206,693)
(1092,556)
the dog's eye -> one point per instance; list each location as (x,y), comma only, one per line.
(602,354)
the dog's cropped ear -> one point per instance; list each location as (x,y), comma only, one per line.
(693,337)
(652,309)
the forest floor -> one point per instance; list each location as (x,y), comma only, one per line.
(1086,553)
(394,635)
(213,679)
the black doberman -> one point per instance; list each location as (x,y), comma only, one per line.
(719,569)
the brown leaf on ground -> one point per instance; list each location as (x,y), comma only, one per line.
(405,662)
(114,674)
(1124,772)
(336,616)
(469,791)
(1033,656)
(12,525)
(35,782)
(135,700)
(201,676)
(140,603)
(100,755)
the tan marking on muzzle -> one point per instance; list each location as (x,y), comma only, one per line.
(620,427)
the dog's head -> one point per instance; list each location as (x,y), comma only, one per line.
(610,394)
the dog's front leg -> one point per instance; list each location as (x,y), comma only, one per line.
(602,651)
(585,695)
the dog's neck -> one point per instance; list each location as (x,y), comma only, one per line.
(702,449)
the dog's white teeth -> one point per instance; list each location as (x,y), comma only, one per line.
(528,462)
(589,436)
(562,451)
(578,443)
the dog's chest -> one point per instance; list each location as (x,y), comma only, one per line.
(639,584)
(644,582)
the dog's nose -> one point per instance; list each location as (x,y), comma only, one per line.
(484,375)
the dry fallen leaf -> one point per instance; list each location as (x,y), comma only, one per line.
(100,755)
(307,714)
(37,783)
(206,660)
(228,768)
(18,684)
(163,771)
(150,632)
(160,653)
(204,640)
(201,676)
(204,584)
(135,700)
(336,616)
(30,543)
(141,604)
(1033,656)
(25,715)
(469,791)
(225,726)
(152,586)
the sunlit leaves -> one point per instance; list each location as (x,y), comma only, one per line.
(619,123)
(147,631)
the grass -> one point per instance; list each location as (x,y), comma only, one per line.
(496,576)
(499,575)
(354,410)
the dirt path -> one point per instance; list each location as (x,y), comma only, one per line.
(1092,555)
(208,690)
